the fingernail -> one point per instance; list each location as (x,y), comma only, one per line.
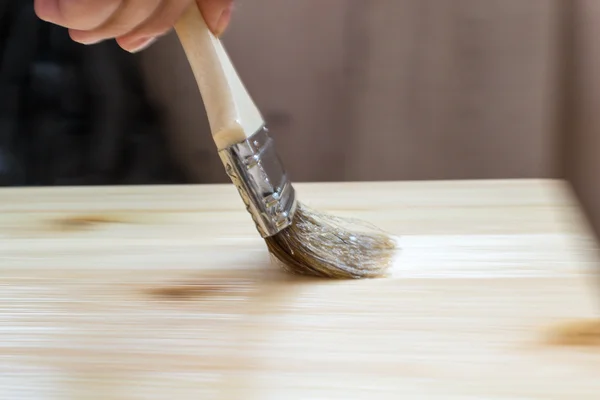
(141,44)
(223,21)
(90,42)
(84,38)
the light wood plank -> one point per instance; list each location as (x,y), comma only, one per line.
(166,292)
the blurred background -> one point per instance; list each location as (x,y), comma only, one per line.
(351,89)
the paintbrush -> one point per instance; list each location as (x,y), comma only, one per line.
(304,241)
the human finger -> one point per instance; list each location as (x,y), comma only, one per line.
(216,13)
(130,15)
(80,14)
(161,22)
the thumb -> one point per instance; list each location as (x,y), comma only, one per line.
(216,13)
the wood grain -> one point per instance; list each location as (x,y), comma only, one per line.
(167,292)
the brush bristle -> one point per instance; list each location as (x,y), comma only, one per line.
(322,245)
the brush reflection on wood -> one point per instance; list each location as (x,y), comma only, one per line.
(178,300)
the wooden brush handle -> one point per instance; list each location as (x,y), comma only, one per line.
(232,114)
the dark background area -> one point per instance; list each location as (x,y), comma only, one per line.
(73,114)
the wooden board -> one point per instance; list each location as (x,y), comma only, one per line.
(167,293)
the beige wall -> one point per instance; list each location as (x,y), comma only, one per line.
(386,89)
(582,129)
(454,89)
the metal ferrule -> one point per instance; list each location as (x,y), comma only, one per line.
(255,169)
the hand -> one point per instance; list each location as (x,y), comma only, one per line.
(135,24)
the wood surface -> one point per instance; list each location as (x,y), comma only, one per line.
(167,293)
(386,89)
